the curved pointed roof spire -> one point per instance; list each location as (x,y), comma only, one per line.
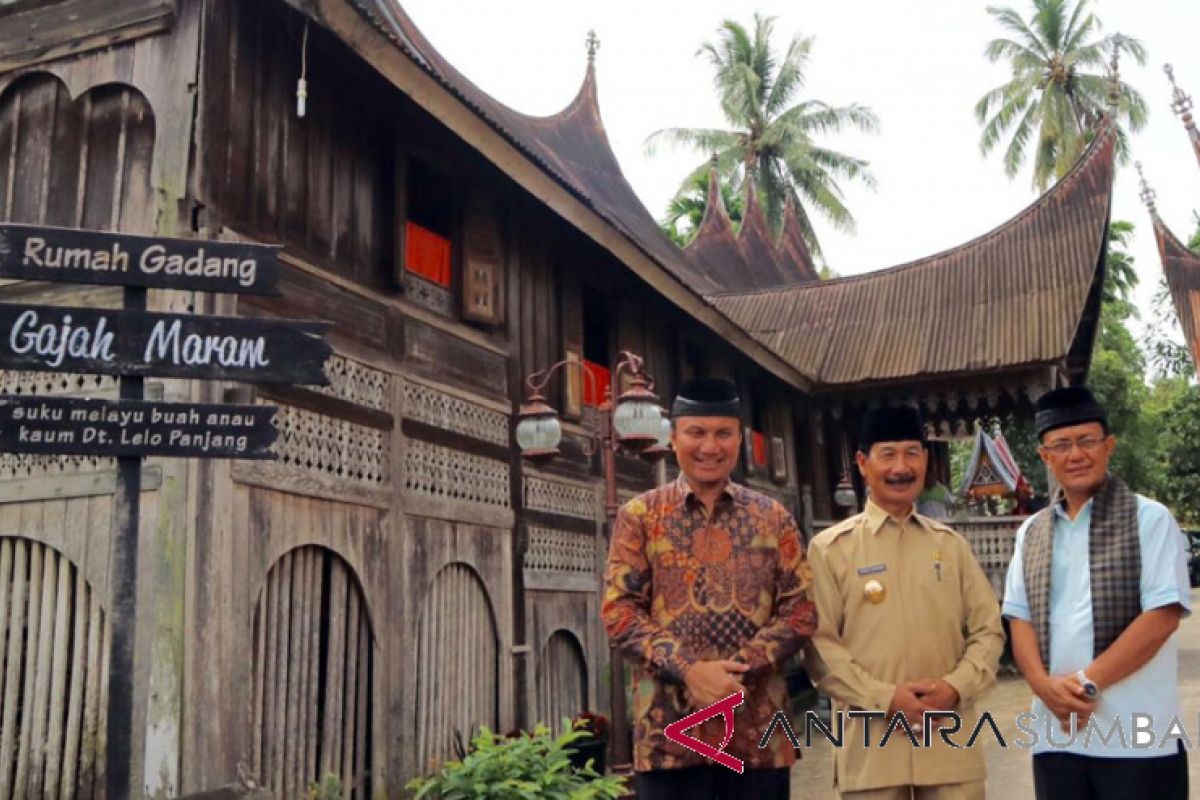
(1182,270)
(714,251)
(1181,104)
(764,267)
(793,247)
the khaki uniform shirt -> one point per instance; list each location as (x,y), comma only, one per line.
(939,618)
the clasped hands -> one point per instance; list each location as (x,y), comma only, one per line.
(710,681)
(915,699)
(1064,696)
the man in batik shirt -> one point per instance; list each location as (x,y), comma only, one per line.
(707,591)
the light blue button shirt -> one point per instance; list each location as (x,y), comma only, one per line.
(1153,689)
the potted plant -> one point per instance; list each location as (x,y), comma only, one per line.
(594,745)
(529,765)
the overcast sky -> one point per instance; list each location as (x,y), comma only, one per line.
(919,65)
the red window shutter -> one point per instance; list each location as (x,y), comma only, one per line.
(593,389)
(760,449)
(427,254)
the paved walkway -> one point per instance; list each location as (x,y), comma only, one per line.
(1009,772)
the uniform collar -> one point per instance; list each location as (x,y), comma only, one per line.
(876,517)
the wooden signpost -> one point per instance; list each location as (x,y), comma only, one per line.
(133,343)
(128,342)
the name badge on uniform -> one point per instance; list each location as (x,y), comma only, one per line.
(874,569)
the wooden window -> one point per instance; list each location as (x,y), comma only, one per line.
(425,226)
(596,350)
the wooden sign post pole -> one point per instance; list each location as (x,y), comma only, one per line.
(123,573)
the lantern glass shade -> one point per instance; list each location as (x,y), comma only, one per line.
(637,420)
(844,494)
(539,434)
(664,432)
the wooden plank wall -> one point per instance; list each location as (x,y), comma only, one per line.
(457,666)
(321,183)
(54,649)
(313,648)
(77,163)
(562,680)
(102,141)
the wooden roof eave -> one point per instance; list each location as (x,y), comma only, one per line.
(345,21)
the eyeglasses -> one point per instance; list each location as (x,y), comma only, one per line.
(1087,444)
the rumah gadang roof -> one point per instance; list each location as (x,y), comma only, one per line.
(1025,294)
(751,258)
(1180,265)
(571,146)
(1020,295)
(1182,269)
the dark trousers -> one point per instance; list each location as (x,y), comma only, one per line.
(1067,776)
(712,783)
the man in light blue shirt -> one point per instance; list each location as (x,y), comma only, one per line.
(1097,587)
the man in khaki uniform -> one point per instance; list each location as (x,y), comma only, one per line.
(907,624)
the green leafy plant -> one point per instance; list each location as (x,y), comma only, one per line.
(528,766)
(330,788)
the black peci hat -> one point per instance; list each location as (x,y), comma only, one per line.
(707,397)
(1071,405)
(900,424)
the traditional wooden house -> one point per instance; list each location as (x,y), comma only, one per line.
(399,574)
(1180,265)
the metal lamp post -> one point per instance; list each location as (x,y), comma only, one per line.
(634,423)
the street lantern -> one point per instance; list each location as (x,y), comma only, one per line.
(844,495)
(662,443)
(538,430)
(637,419)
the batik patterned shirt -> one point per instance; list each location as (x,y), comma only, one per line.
(683,585)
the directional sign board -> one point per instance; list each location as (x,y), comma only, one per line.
(76,256)
(76,426)
(120,342)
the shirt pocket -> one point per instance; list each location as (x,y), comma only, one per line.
(940,594)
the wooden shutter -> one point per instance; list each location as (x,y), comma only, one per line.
(483,264)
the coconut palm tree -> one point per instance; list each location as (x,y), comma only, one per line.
(771,135)
(1059,87)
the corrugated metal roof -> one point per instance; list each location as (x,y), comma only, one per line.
(1012,297)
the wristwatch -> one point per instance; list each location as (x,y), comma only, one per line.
(1089,686)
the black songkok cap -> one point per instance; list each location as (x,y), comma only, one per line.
(900,424)
(1071,405)
(706,397)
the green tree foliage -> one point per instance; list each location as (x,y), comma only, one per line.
(1058,89)
(1180,452)
(771,136)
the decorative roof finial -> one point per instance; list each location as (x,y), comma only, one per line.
(1114,79)
(1181,103)
(593,44)
(1147,194)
